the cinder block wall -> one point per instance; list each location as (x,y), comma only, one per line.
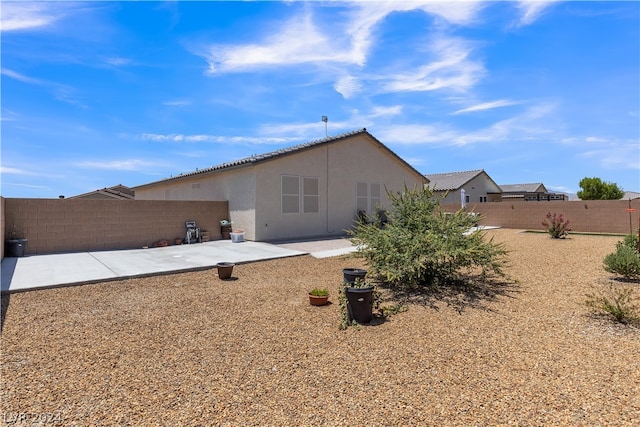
(599,216)
(76,225)
(2,226)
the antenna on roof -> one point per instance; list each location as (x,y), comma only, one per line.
(325,119)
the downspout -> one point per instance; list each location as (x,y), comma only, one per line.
(327,192)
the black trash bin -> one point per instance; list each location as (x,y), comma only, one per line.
(15,247)
(360,303)
(352,274)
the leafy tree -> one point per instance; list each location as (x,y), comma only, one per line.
(422,245)
(596,189)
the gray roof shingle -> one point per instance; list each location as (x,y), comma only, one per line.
(523,188)
(451,180)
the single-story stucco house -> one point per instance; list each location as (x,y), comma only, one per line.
(117,192)
(310,190)
(477,185)
(529,192)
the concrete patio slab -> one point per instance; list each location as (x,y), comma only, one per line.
(44,271)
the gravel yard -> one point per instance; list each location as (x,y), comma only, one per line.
(190,349)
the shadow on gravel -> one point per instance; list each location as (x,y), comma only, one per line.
(5,306)
(462,293)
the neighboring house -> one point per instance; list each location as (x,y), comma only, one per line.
(309,190)
(631,195)
(118,192)
(529,192)
(477,185)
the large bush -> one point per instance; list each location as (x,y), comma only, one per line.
(421,244)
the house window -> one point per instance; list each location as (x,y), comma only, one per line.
(375,201)
(483,199)
(310,195)
(362,196)
(300,194)
(290,194)
(368,197)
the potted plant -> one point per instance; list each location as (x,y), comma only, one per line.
(358,297)
(15,245)
(318,296)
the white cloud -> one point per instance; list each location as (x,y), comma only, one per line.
(450,67)
(121,165)
(14,171)
(27,15)
(487,106)
(347,86)
(386,111)
(117,61)
(531,11)
(592,139)
(616,154)
(520,127)
(300,42)
(60,92)
(416,134)
(34,15)
(181,138)
(176,103)
(21,77)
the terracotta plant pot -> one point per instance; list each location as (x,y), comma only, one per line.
(224,270)
(318,300)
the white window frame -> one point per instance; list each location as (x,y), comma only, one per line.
(287,198)
(305,199)
(370,201)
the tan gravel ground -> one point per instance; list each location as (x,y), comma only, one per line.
(190,349)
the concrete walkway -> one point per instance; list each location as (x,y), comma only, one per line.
(44,271)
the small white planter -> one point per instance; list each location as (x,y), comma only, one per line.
(237,236)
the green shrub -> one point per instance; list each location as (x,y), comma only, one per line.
(618,303)
(421,244)
(625,261)
(557,226)
(630,240)
(319,292)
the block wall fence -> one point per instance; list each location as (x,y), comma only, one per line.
(597,216)
(79,225)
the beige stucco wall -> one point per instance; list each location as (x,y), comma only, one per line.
(237,186)
(338,167)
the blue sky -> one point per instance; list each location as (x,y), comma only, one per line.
(95,94)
